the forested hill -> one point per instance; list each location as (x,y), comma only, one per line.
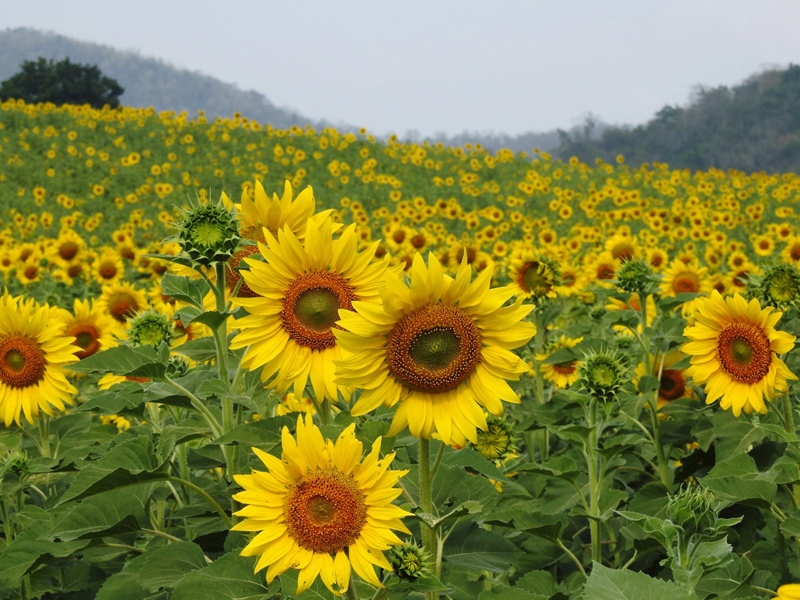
(147,81)
(754,126)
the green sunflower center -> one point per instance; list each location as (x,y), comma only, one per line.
(22,361)
(207,234)
(744,352)
(435,349)
(494,442)
(783,287)
(317,308)
(536,279)
(603,374)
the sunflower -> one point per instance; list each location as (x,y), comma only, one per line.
(299,291)
(121,301)
(108,268)
(534,276)
(92,329)
(321,510)
(32,354)
(67,249)
(681,277)
(734,348)
(563,375)
(278,213)
(673,381)
(440,349)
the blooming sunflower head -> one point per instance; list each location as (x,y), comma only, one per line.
(439,349)
(535,276)
(734,349)
(320,509)
(33,352)
(209,232)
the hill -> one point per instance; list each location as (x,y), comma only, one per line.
(147,81)
(753,126)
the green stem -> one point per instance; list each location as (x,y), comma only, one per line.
(594,482)
(569,553)
(426,504)
(543,434)
(198,405)
(226,519)
(350,594)
(221,331)
(645,341)
(326,414)
(788,414)
(9,531)
(437,461)
(44,434)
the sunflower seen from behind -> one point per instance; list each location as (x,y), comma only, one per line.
(300,287)
(734,350)
(321,509)
(33,352)
(439,348)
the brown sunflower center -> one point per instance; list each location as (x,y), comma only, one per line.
(107,270)
(434,349)
(686,282)
(311,307)
(68,250)
(622,251)
(22,361)
(87,337)
(565,368)
(605,271)
(744,352)
(233,273)
(672,385)
(325,511)
(31,272)
(122,305)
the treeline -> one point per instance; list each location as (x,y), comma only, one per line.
(754,126)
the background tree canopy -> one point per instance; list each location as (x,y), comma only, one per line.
(60,83)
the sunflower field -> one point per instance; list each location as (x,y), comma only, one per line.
(240,362)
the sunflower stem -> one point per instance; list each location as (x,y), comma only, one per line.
(44,434)
(426,504)
(788,414)
(351,594)
(326,414)
(544,434)
(594,481)
(198,405)
(215,505)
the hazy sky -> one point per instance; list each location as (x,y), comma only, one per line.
(446,65)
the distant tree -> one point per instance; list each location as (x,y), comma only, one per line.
(62,82)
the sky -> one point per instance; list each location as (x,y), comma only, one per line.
(447,66)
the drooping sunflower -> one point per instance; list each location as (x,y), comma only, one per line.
(300,289)
(320,509)
(32,354)
(734,348)
(535,276)
(439,349)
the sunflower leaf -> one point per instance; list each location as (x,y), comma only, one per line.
(184,289)
(141,361)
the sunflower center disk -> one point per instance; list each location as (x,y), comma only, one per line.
(535,278)
(686,283)
(22,361)
(68,250)
(434,349)
(311,307)
(744,352)
(121,306)
(783,288)
(325,511)
(86,336)
(672,384)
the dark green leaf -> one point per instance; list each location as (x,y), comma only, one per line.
(122,360)
(184,289)
(228,578)
(615,584)
(475,548)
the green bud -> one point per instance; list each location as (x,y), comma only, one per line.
(13,462)
(177,366)
(603,373)
(150,328)
(636,277)
(208,233)
(693,509)
(409,561)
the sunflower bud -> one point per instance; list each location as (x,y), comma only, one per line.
(150,328)
(177,366)
(409,561)
(636,277)
(603,373)
(778,287)
(497,443)
(693,509)
(13,462)
(208,233)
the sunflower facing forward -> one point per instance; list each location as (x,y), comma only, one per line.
(734,348)
(320,509)
(300,289)
(441,349)
(32,354)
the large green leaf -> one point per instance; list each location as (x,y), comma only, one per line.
(475,548)
(228,578)
(165,566)
(108,513)
(184,289)
(22,555)
(141,361)
(616,584)
(738,479)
